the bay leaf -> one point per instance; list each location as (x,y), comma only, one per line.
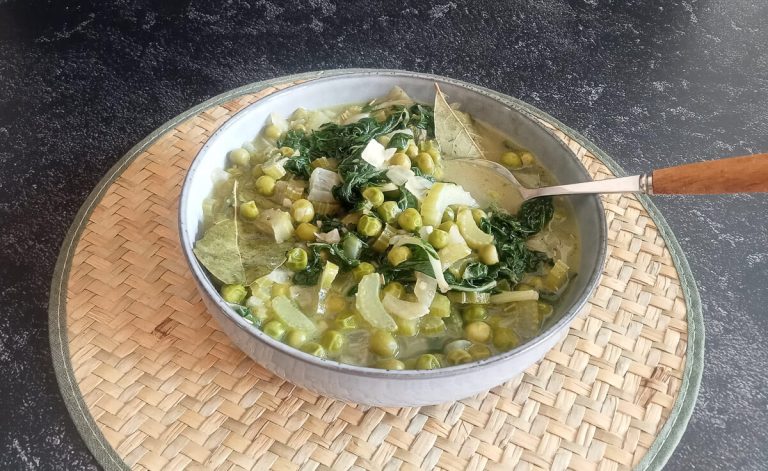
(260,253)
(219,252)
(454,131)
(236,255)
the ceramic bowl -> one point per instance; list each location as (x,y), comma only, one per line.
(368,385)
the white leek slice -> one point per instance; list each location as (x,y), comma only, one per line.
(440,196)
(321,182)
(369,305)
(291,316)
(404,309)
(326,280)
(376,155)
(425,291)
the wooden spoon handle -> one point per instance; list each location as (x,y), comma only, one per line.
(747,174)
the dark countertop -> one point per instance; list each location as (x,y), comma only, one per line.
(653,83)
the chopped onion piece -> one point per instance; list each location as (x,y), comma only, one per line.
(418,186)
(331,237)
(279,121)
(376,155)
(425,290)
(321,182)
(404,309)
(280,275)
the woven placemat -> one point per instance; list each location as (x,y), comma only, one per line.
(151,382)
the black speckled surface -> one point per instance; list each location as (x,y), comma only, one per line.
(653,83)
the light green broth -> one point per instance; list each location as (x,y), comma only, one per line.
(341,239)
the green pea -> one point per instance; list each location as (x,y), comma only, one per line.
(441,306)
(240,157)
(265,185)
(388,211)
(400,159)
(249,210)
(234,294)
(398,255)
(410,220)
(275,329)
(479,351)
(505,338)
(272,132)
(431,326)
(527,158)
(369,226)
(427,361)
(296,338)
(478,331)
(511,160)
(474,312)
(382,343)
(306,231)
(374,196)
(362,269)
(302,210)
(458,357)
(390,364)
(407,327)
(425,163)
(296,259)
(438,238)
(394,288)
(332,341)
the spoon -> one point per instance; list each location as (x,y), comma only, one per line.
(745,174)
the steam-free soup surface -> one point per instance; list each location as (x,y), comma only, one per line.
(334,232)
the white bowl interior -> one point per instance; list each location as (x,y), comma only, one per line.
(338,90)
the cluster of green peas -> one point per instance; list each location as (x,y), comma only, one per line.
(475,346)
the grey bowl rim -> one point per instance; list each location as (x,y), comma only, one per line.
(204,283)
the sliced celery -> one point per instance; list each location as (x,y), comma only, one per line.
(291,316)
(439,197)
(472,234)
(369,305)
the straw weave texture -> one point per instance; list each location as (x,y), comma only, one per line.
(168,390)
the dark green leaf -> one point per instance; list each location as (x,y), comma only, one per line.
(404,272)
(407,200)
(399,141)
